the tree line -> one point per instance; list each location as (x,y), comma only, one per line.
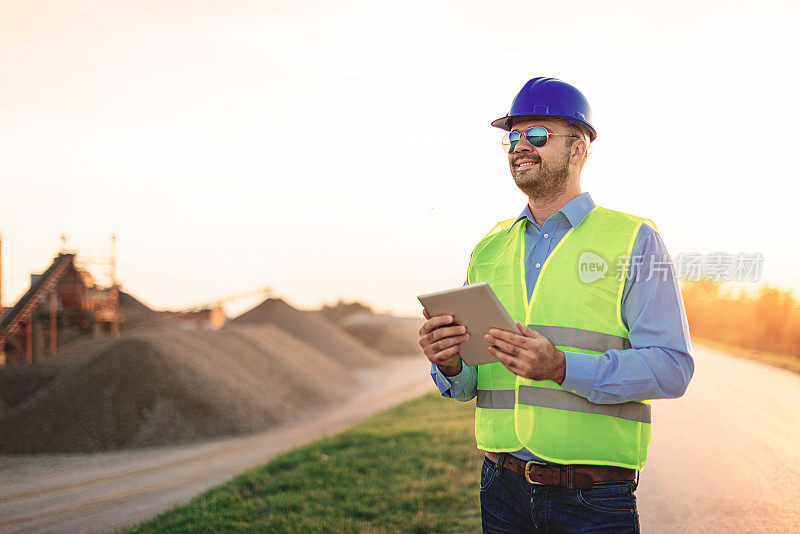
(768,320)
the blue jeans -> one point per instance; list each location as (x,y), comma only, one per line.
(510,504)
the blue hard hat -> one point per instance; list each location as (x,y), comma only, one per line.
(550,97)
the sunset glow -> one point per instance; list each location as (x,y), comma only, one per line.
(343,149)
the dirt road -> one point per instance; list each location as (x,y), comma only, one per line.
(724,458)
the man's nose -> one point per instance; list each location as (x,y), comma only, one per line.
(523,145)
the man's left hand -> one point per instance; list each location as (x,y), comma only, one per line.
(528,354)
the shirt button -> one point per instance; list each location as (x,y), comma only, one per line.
(538,265)
(546,235)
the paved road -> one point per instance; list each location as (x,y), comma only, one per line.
(725,458)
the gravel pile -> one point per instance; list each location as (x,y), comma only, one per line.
(137,314)
(385,333)
(342,309)
(313,328)
(166,386)
(18,382)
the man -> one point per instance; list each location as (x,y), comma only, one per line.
(564,415)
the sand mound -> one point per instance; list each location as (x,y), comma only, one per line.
(314,329)
(171,386)
(385,333)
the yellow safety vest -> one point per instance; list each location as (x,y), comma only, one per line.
(576,304)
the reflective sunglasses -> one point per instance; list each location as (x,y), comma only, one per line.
(536,136)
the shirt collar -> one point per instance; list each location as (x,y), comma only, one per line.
(575,211)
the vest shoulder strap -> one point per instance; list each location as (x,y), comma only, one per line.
(502,225)
(500,229)
(626,216)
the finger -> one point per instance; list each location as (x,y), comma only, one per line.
(506,359)
(527,332)
(425,313)
(511,337)
(447,331)
(447,342)
(435,322)
(505,346)
(446,354)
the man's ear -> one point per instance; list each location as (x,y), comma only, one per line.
(580,149)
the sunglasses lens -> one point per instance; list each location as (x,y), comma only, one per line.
(510,140)
(537,136)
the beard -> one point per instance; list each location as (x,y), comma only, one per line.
(545,180)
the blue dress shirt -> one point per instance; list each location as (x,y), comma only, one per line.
(659,363)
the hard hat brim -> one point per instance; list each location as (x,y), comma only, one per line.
(504,123)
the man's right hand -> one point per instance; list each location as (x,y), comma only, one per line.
(441,340)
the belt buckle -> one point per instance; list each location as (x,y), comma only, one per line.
(528,472)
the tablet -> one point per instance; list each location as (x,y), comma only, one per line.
(476,307)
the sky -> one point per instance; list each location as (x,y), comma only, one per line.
(343,149)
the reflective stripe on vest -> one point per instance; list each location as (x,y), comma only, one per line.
(495,398)
(564,336)
(564,400)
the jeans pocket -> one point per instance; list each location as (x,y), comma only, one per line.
(488,472)
(609,497)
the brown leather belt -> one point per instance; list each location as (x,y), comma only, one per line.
(558,475)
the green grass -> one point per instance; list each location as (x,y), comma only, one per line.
(413,468)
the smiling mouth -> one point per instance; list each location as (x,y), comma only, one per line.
(526,164)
